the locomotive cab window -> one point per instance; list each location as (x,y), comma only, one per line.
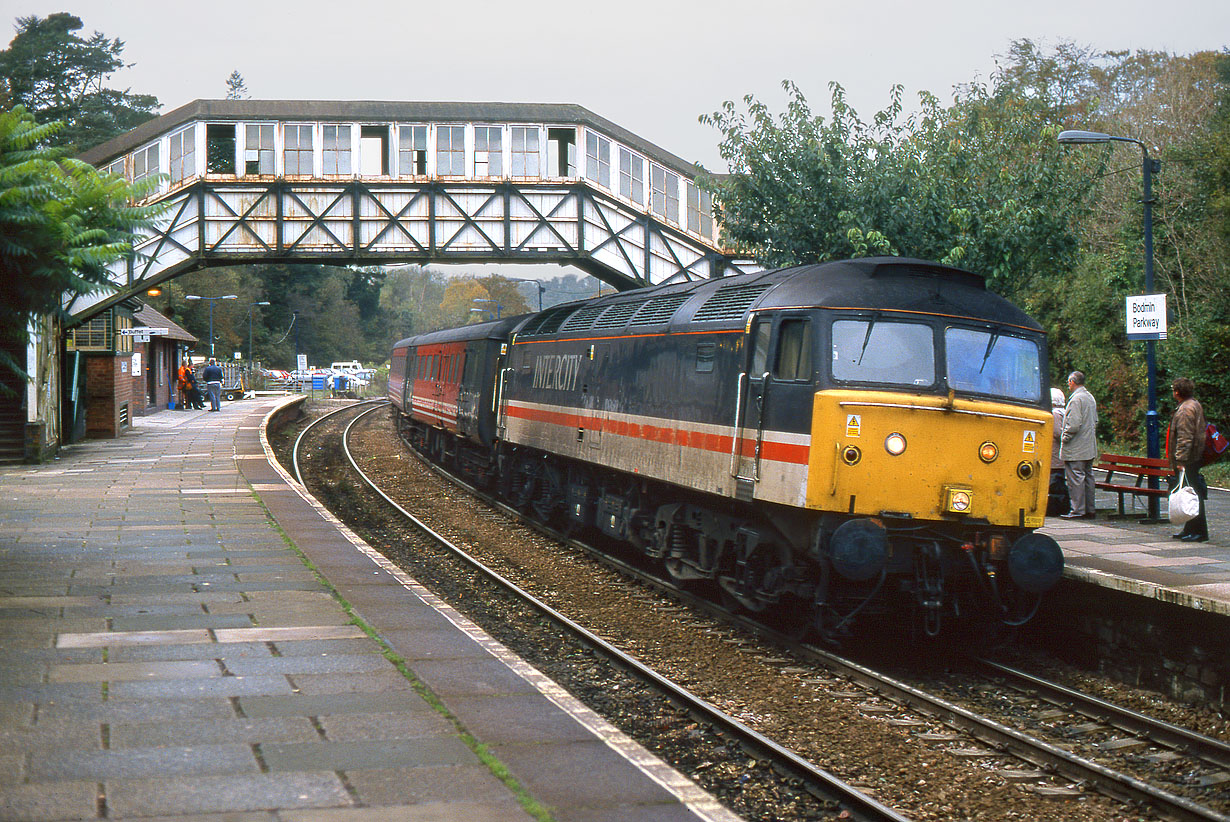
(984,361)
(793,360)
(760,348)
(883,351)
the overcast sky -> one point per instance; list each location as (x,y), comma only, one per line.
(651,67)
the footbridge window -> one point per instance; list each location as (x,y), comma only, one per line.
(631,176)
(183,154)
(598,159)
(145,162)
(561,152)
(412,151)
(258,149)
(664,187)
(335,153)
(451,151)
(374,151)
(488,151)
(219,148)
(525,159)
(298,152)
(700,211)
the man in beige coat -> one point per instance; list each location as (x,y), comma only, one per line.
(1079,447)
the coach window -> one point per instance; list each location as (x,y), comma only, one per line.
(793,350)
(220,148)
(412,151)
(258,150)
(116,168)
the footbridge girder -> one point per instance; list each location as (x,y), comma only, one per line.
(384,183)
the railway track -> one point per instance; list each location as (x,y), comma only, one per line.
(855,804)
(900,703)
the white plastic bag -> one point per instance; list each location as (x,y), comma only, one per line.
(1184,504)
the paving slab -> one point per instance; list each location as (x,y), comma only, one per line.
(165,654)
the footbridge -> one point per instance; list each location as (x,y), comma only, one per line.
(377,183)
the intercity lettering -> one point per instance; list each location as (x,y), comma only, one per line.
(557,371)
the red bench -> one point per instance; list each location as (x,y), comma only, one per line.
(1121,468)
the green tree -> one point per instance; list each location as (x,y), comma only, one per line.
(980,184)
(61,224)
(58,75)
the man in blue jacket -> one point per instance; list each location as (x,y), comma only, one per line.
(212,375)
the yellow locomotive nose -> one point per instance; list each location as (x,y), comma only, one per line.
(941,459)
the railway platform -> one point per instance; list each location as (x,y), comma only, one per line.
(185,634)
(1133,556)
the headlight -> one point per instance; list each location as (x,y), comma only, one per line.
(987,452)
(895,444)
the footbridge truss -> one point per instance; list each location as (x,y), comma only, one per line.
(362,183)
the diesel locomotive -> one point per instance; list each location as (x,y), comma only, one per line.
(825,445)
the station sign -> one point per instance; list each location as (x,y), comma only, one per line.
(1146,317)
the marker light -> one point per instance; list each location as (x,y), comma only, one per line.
(987,452)
(895,444)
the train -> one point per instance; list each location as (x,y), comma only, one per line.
(857,442)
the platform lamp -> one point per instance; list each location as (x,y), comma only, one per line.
(211,300)
(1149,167)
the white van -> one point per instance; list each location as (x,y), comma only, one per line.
(350,367)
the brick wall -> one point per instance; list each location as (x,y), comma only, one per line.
(109,393)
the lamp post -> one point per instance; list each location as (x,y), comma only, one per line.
(1149,167)
(496,303)
(250,307)
(211,300)
(537,283)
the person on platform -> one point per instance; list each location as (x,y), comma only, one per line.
(1185,450)
(212,375)
(1079,447)
(196,399)
(1057,491)
(184,380)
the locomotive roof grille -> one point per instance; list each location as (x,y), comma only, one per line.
(547,322)
(582,319)
(617,315)
(658,310)
(729,302)
(553,320)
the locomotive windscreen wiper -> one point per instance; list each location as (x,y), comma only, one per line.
(866,338)
(986,355)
